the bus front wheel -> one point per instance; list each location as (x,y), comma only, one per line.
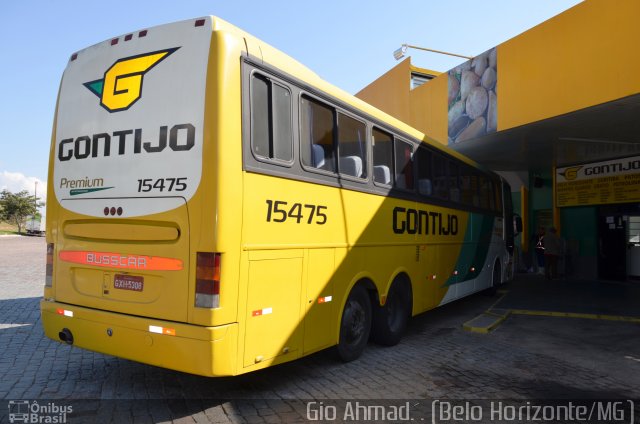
(496,279)
(355,325)
(390,320)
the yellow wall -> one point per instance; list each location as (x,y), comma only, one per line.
(580,58)
(390,92)
(420,108)
(583,57)
(427,113)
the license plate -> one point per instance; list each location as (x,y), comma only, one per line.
(128,282)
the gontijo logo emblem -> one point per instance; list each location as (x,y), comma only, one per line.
(571,174)
(121,86)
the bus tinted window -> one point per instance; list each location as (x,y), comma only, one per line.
(486,193)
(498,195)
(270,120)
(316,134)
(425,179)
(440,177)
(282,123)
(260,116)
(454,186)
(382,157)
(468,186)
(351,147)
(404,165)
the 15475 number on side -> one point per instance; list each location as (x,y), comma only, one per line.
(280,211)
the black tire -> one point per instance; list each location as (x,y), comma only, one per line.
(390,321)
(355,325)
(495,279)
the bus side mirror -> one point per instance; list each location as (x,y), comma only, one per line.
(517,224)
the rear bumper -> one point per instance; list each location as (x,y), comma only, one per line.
(207,351)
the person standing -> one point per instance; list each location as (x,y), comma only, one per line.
(538,246)
(552,252)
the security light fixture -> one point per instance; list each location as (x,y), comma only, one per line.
(399,53)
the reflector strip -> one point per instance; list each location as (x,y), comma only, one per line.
(48,279)
(265,311)
(65,312)
(121,261)
(325,299)
(161,330)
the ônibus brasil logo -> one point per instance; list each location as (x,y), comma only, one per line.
(121,85)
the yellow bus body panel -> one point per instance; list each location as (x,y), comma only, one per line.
(208,351)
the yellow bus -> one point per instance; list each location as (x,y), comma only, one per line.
(216,208)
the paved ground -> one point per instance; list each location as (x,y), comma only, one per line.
(524,358)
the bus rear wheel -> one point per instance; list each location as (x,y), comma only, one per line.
(390,320)
(355,325)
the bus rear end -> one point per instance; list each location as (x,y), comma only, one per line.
(126,167)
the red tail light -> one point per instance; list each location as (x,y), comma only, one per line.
(208,280)
(48,279)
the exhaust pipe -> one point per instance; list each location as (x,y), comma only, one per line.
(66,336)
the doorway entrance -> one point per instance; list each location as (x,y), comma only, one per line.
(619,242)
(633,247)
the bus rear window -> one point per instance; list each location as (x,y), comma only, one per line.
(270,120)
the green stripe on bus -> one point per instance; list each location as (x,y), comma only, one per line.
(479,227)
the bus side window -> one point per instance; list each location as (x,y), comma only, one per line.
(498,195)
(352,149)
(271,134)
(404,165)
(382,143)
(440,177)
(316,134)
(468,186)
(425,182)
(454,186)
(486,194)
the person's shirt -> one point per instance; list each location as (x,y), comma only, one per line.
(552,245)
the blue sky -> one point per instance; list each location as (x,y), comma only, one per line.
(348,43)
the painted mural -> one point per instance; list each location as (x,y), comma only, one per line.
(472,99)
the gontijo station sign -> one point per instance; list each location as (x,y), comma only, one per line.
(613,181)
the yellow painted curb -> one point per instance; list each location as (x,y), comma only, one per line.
(468,326)
(575,315)
(501,314)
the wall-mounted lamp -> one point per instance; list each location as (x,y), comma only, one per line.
(399,53)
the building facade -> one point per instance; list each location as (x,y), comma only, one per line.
(556,111)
